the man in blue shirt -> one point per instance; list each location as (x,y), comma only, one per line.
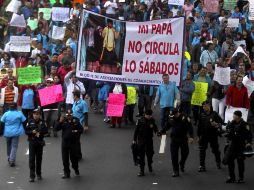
(167,93)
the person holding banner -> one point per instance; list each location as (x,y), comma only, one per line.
(239,138)
(209,128)
(143,137)
(181,127)
(167,93)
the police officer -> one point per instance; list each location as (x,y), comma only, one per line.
(143,137)
(71,131)
(181,131)
(239,137)
(209,128)
(36,129)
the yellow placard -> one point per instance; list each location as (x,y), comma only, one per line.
(131,95)
(200,93)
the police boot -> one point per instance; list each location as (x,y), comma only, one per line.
(175,174)
(66,176)
(202,169)
(141,173)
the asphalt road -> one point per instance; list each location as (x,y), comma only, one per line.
(108,165)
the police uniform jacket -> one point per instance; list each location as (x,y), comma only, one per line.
(238,134)
(205,127)
(145,128)
(180,127)
(69,128)
(38,126)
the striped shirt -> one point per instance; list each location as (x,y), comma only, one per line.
(9,95)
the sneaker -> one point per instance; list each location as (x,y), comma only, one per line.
(141,174)
(230,180)
(66,176)
(39,177)
(202,169)
(240,180)
(175,174)
(113,126)
(31,180)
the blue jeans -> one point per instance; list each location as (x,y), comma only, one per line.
(164,115)
(12,147)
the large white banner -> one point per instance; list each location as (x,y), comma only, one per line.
(20,43)
(130,52)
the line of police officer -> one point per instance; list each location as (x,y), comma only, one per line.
(238,135)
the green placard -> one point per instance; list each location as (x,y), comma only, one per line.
(229,4)
(52,2)
(29,75)
(46,13)
(33,24)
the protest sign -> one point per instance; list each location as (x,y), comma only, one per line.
(52,2)
(200,93)
(132,95)
(115,105)
(18,21)
(238,43)
(60,14)
(211,6)
(249,84)
(229,4)
(176,2)
(20,43)
(239,50)
(50,95)
(29,75)
(33,23)
(233,22)
(222,75)
(251,10)
(13,6)
(46,13)
(230,112)
(143,51)
(58,33)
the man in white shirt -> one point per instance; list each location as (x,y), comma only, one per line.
(110,8)
(72,83)
(37,50)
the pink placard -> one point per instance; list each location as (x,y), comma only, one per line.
(51,95)
(115,110)
(116,99)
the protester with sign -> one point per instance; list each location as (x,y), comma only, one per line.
(118,88)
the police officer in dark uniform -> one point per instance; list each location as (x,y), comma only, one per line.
(36,129)
(239,137)
(209,128)
(143,137)
(71,131)
(181,132)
